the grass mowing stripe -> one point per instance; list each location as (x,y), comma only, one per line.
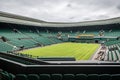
(81,51)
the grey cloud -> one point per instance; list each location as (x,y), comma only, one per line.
(118,7)
(63,10)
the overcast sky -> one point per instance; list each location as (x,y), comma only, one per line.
(63,10)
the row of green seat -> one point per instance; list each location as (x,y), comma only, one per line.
(113,53)
(67,77)
(9,76)
(41,36)
(4,47)
(10,34)
(108,43)
(26,39)
(38,37)
(23,42)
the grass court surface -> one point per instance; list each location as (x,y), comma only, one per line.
(81,51)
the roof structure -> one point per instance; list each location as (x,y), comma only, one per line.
(17,19)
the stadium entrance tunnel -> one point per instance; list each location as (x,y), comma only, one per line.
(96,41)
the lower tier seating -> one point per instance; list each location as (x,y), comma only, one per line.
(113,53)
(5,47)
(108,43)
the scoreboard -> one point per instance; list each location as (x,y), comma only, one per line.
(85,38)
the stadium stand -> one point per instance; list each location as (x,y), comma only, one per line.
(5,47)
(17,34)
(19,39)
(114,52)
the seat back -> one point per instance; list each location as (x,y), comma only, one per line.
(56,76)
(80,77)
(68,77)
(33,77)
(104,77)
(93,77)
(115,77)
(45,77)
(20,77)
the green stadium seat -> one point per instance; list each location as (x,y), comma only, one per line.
(11,76)
(109,56)
(68,77)
(115,77)
(33,77)
(21,77)
(4,47)
(93,77)
(4,76)
(56,76)
(104,77)
(45,77)
(80,77)
(114,56)
(118,55)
